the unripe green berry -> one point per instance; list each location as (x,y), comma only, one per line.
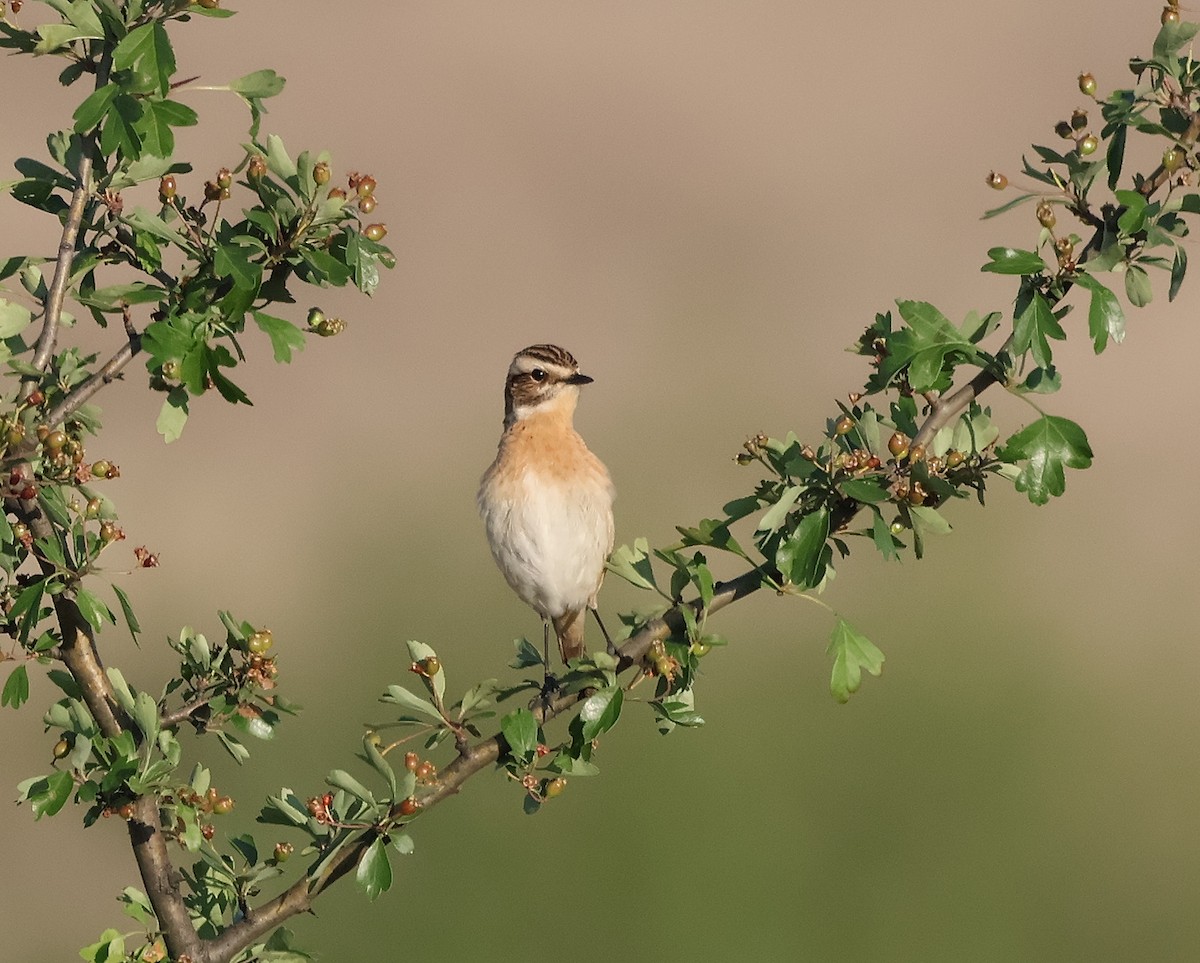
(321,173)
(997,182)
(1089,144)
(1172,158)
(1087,85)
(375,232)
(1045,215)
(844,425)
(167,188)
(555,787)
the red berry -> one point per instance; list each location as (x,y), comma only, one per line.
(411,761)
(408,806)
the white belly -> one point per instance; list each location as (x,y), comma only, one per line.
(550,540)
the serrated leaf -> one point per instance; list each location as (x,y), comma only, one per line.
(285,336)
(633,564)
(520,730)
(48,795)
(1047,446)
(93,609)
(851,653)
(1033,323)
(374,873)
(1172,36)
(147,50)
(16,688)
(1106,319)
(801,556)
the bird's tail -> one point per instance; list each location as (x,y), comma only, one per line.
(569,629)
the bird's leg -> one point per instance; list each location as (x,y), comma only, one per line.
(549,682)
(612,649)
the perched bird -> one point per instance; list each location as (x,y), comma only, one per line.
(546,501)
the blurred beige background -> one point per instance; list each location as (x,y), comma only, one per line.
(705,202)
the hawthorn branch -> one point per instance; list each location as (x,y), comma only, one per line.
(107,373)
(471,759)
(57,292)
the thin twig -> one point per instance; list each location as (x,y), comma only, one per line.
(57,292)
(105,375)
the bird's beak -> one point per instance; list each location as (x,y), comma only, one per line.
(579,379)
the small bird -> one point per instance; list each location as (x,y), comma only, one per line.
(546,501)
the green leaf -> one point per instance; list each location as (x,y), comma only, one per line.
(110,949)
(1106,319)
(1003,208)
(633,565)
(374,872)
(285,336)
(48,795)
(1137,286)
(867,490)
(94,610)
(801,557)
(14,318)
(527,654)
(1047,446)
(1171,37)
(929,519)
(1115,155)
(1033,323)
(147,50)
(92,110)
(145,714)
(173,415)
(120,127)
(398,695)
(1009,260)
(233,261)
(1178,270)
(1133,217)
(601,711)
(520,730)
(851,654)
(340,779)
(16,688)
(261,83)
(774,517)
(881,533)
(925,344)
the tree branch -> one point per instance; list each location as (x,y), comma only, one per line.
(57,292)
(107,374)
(470,760)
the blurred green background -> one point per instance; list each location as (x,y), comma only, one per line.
(705,202)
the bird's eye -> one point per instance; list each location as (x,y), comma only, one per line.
(537,374)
